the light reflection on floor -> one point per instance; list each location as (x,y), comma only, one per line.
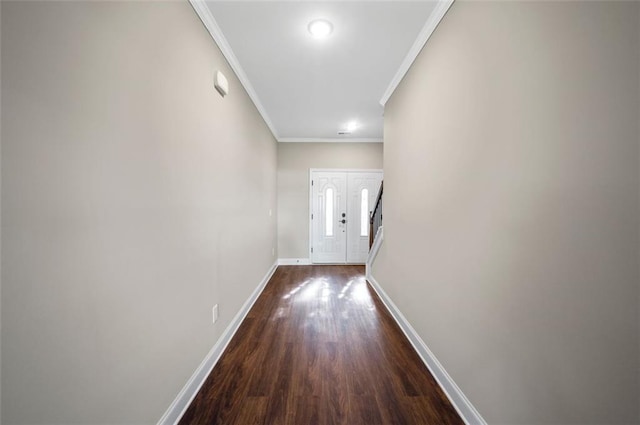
(321,298)
(345,289)
(296,289)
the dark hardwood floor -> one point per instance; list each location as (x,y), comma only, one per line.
(319,347)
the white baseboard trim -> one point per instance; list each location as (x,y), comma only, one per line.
(373,252)
(463,406)
(294,261)
(191,388)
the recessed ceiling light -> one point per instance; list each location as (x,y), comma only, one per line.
(351,126)
(320,28)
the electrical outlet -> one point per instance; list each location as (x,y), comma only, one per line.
(215,313)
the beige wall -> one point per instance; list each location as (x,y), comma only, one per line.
(0,222)
(294,162)
(133,198)
(512,207)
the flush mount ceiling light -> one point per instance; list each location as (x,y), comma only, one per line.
(320,28)
(351,126)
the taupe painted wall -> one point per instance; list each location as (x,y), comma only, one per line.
(133,198)
(0,221)
(512,207)
(294,162)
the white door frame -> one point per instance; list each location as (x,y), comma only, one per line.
(329,170)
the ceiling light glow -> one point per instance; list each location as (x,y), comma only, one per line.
(351,126)
(320,28)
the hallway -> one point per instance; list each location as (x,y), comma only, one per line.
(319,347)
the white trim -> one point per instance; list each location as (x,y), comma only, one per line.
(326,140)
(309,212)
(344,170)
(373,252)
(294,261)
(204,13)
(463,406)
(191,388)
(429,27)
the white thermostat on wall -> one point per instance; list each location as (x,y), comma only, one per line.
(221,83)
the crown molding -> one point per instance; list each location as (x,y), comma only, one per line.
(204,13)
(429,27)
(326,140)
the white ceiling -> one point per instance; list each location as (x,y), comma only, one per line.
(308,89)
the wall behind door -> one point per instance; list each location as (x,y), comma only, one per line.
(294,162)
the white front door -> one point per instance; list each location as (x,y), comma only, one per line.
(362,189)
(341,202)
(328,223)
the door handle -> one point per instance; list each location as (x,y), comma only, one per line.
(343,221)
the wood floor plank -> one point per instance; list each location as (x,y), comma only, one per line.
(253,411)
(319,347)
